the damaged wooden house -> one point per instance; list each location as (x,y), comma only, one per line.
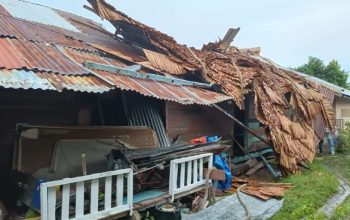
(96,124)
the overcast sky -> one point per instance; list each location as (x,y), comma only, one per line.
(288,31)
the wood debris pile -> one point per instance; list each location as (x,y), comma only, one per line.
(261,190)
(284,102)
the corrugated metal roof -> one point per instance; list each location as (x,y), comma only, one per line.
(27,30)
(14,27)
(181,94)
(10,58)
(34,13)
(331,86)
(36,56)
(82,56)
(23,79)
(42,61)
(114,46)
(86,83)
(85,25)
(91,34)
(3,11)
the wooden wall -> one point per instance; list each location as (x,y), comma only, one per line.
(192,121)
(51,108)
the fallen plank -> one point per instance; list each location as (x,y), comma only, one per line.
(257,167)
(215,174)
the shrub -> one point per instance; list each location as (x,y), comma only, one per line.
(343,140)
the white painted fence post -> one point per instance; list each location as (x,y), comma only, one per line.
(49,191)
(194,168)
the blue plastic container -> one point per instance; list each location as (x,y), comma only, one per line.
(36,194)
(212,139)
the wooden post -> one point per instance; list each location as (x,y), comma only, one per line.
(83,164)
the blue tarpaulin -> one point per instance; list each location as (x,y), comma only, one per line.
(221,164)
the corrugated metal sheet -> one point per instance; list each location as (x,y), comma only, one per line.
(115,47)
(92,35)
(37,56)
(163,62)
(164,91)
(3,11)
(10,58)
(97,37)
(148,115)
(83,24)
(27,30)
(45,59)
(77,83)
(82,56)
(339,90)
(36,13)
(22,79)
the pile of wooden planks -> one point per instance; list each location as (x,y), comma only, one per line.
(261,190)
(151,157)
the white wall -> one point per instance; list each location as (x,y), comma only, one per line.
(342,108)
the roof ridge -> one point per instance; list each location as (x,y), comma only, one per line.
(37,4)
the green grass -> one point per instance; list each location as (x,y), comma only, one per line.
(339,164)
(342,212)
(311,190)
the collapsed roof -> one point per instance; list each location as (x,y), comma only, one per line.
(276,90)
(46,49)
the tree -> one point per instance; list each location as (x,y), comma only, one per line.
(332,73)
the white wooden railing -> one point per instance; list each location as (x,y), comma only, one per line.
(191,173)
(72,191)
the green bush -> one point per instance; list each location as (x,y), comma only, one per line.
(343,140)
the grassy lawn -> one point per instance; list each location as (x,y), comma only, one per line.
(311,190)
(340,164)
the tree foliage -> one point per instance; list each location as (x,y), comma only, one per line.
(332,73)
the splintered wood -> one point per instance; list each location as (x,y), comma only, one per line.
(261,190)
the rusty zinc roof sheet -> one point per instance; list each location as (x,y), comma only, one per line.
(92,39)
(113,46)
(10,58)
(3,11)
(27,30)
(84,83)
(36,56)
(82,56)
(164,91)
(40,56)
(24,79)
